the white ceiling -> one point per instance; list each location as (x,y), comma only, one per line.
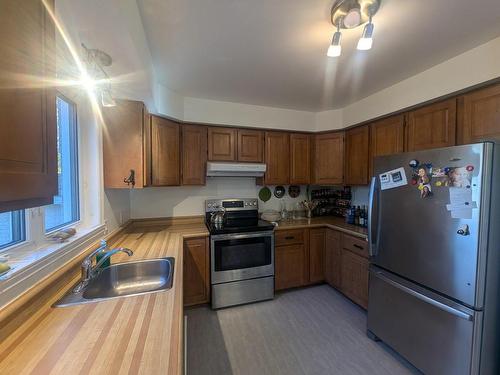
(273,52)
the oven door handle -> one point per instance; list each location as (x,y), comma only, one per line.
(236,236)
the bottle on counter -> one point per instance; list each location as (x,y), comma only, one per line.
(356,215)
(362,217)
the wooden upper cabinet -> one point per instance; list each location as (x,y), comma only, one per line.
(126,145)
(277,155)
(386,137)
(300,159)
(357,156)
(480,120)
(221,144)
(28,149)
(194,154)
(165,148)
(329,158)
(432,126)
(250,145)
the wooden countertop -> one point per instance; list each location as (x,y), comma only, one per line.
(133,335)
(333,222)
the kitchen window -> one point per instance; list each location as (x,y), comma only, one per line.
(12,228)
(65,208)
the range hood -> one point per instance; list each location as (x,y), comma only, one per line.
(235,169)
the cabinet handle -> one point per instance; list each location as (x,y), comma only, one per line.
(289,237)
(358,247)
(130,180)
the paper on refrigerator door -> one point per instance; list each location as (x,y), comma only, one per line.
(393,179)
(461,203)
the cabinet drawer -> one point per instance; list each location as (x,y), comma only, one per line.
(289,237)
(356,245)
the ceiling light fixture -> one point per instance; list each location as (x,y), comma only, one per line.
(349,14)
(95,77)
(366,40)
(335,48)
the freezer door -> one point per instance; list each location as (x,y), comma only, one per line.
(434,334)
(417,238)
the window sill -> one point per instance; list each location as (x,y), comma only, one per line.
(30,265)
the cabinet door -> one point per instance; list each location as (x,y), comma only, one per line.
(354,282)
(28,148)
(277,158)
(333,258)
(316,255)
(146,147)
(329,158)
(194,154)
(250,145)
(290,266)
(481,116)
(357,155)
(300,159)
(196,271)
(387,137)
(165,148)
(432,126)
(221,144)
(123,144)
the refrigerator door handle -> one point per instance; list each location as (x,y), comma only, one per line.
(424,298)
(372,241)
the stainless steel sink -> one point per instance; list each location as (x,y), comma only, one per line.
(124,279)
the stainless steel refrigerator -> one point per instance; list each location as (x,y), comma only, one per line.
(434,234)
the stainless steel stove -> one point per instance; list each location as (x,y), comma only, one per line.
(241,252)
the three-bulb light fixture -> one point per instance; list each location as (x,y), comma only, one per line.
(349,14)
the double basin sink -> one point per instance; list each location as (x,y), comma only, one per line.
(124,279)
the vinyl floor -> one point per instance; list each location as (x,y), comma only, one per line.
(313,331)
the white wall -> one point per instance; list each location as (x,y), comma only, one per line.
(238,114)
(329,120)
(190,200)
(116,206)
(468,69)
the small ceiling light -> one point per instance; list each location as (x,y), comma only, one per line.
(335,48)
(366,40)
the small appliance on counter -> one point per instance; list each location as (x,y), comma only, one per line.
(241,252)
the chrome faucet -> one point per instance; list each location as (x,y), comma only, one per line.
(89,272)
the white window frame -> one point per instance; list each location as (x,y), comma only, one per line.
(74,223)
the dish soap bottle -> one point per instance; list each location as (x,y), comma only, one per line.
(100,255)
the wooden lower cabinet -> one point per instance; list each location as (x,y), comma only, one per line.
(290,266)
(354,283)
(317,238)
(196,270)
(333,258)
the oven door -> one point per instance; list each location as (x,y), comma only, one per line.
(241,256)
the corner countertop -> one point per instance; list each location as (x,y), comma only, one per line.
(332,222)
(134,335)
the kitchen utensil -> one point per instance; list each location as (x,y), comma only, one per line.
(264,194)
